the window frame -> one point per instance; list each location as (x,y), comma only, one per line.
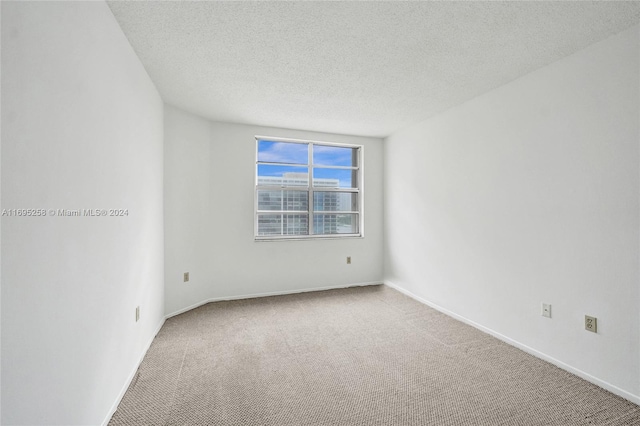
(310,190)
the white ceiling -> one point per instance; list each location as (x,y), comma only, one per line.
(363,68)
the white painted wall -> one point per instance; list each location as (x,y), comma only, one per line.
(530,194)
(0,221)
(209,181)
(82,128)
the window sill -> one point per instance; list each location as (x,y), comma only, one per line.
(308,238)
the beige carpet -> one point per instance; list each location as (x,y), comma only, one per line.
(357,356)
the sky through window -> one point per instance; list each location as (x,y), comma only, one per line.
(296,154)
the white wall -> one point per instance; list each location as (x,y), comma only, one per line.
(82,128)
(209,181)
(530,194)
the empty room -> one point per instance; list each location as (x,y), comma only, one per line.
(320,213)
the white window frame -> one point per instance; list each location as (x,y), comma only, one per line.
(310,190)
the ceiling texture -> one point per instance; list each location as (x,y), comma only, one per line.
(360,68)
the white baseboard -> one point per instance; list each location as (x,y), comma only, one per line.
(586,376)
(273,293)
(127,383)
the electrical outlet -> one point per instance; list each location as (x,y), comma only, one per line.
(137,313)
(348,260)
(591,324)
(186,277)
(546,310)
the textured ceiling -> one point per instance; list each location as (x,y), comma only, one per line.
(364,68)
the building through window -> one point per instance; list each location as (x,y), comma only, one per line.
(283,189)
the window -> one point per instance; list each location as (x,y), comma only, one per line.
(291,205)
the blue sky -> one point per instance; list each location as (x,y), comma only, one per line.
(297,153)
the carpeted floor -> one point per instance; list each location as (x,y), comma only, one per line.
(358,356)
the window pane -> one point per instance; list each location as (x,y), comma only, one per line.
(283,200)
(282,175)
(334,178)
(335,156)
(335,201)
(324,224)
(283,224)
(283,152)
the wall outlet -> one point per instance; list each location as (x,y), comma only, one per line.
(546,310)
(137,313)
(186,277)
(348,260)
(591,324)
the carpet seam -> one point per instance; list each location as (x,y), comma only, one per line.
(175,391)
